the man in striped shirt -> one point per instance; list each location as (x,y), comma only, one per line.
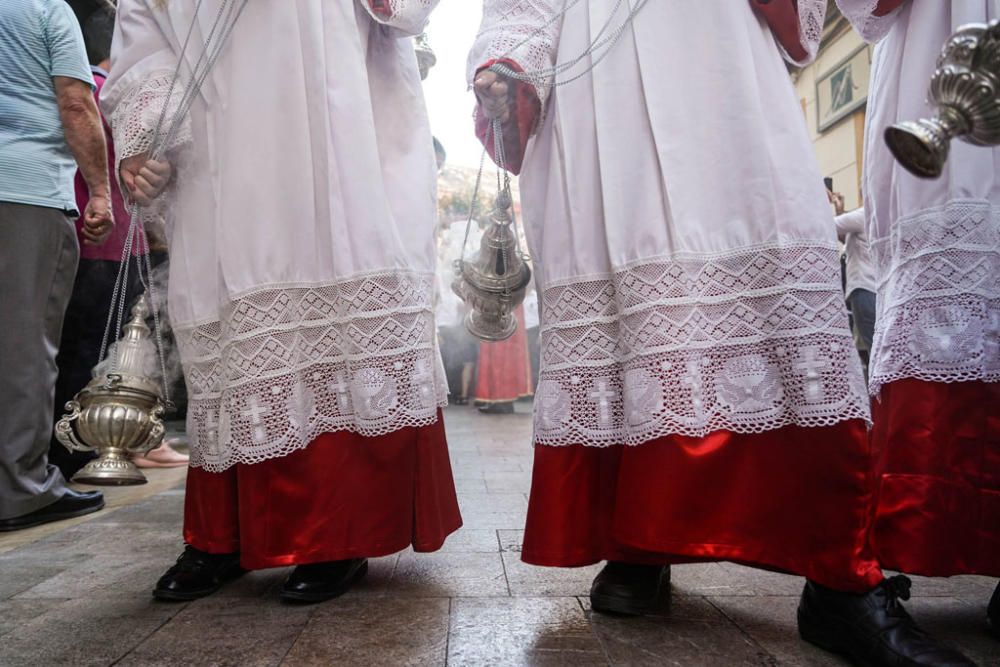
(49,126)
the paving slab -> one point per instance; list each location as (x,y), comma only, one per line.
(449,575)
(223,633)
(690,631)
(85,632)
(386,631)
(522,631)
(78,593)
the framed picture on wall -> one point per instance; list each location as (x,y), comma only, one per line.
(843,88)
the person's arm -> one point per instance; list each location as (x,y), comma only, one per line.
(782,17)
(137,96)
(852,222)
(522,36)
(886,7)
(84,133)
(871,19)
(85,137)
(515,104)
(81,122)
(406,17)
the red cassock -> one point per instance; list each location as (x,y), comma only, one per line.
(344,496)
(747,498)
(937,463)
(504,372)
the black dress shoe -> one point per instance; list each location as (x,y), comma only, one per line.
(871,628)
(317,582)
(72,504)
(627,588)
(196,575)
(993,612)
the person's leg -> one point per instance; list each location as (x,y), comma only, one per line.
(38,258)
(468,372)
(83,329)
(862,304)
(212,534)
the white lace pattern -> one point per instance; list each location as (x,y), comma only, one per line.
(135,117)
(520,30)
(812,17)
(289,363)
(861,14)
(133,124)
(746,341)
(407,16)
(939,296)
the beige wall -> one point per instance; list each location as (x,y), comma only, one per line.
(839,148)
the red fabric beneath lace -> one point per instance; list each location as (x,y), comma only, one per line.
(795,500)
(887,6)
(381,7)
(782,17)
(344,496)
(504,372)
(937,450)
(517,131)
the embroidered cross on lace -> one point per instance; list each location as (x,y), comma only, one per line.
(746,341)
(287,364)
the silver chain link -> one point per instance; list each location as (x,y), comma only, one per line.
(547,77)
(222,27)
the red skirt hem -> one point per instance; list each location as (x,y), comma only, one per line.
(794,500)
(344,496)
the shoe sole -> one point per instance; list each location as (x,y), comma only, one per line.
(51,518)
(612,605)
(175,596)
(309,598)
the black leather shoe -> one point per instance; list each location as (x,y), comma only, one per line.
(317,582)
(627,588)
(196,575)
(993,612)
(871,628)
(72,504)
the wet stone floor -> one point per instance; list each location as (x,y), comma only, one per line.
(78,593)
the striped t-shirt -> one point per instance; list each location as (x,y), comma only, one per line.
(39,39)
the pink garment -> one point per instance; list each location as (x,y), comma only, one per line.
(113,247)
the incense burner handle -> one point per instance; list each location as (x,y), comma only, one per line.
(156,433)
(64,429)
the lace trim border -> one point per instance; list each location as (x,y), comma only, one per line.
(938,313)
(747,341)
(285,364)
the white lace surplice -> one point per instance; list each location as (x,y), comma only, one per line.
(684,248)
(936,244)
(301,224)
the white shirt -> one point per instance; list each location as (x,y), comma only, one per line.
(860,269)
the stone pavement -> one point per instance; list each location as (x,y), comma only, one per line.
(77,593)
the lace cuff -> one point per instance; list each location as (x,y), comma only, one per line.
(407,16)
(522,31)
(812,17)
(862,15)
